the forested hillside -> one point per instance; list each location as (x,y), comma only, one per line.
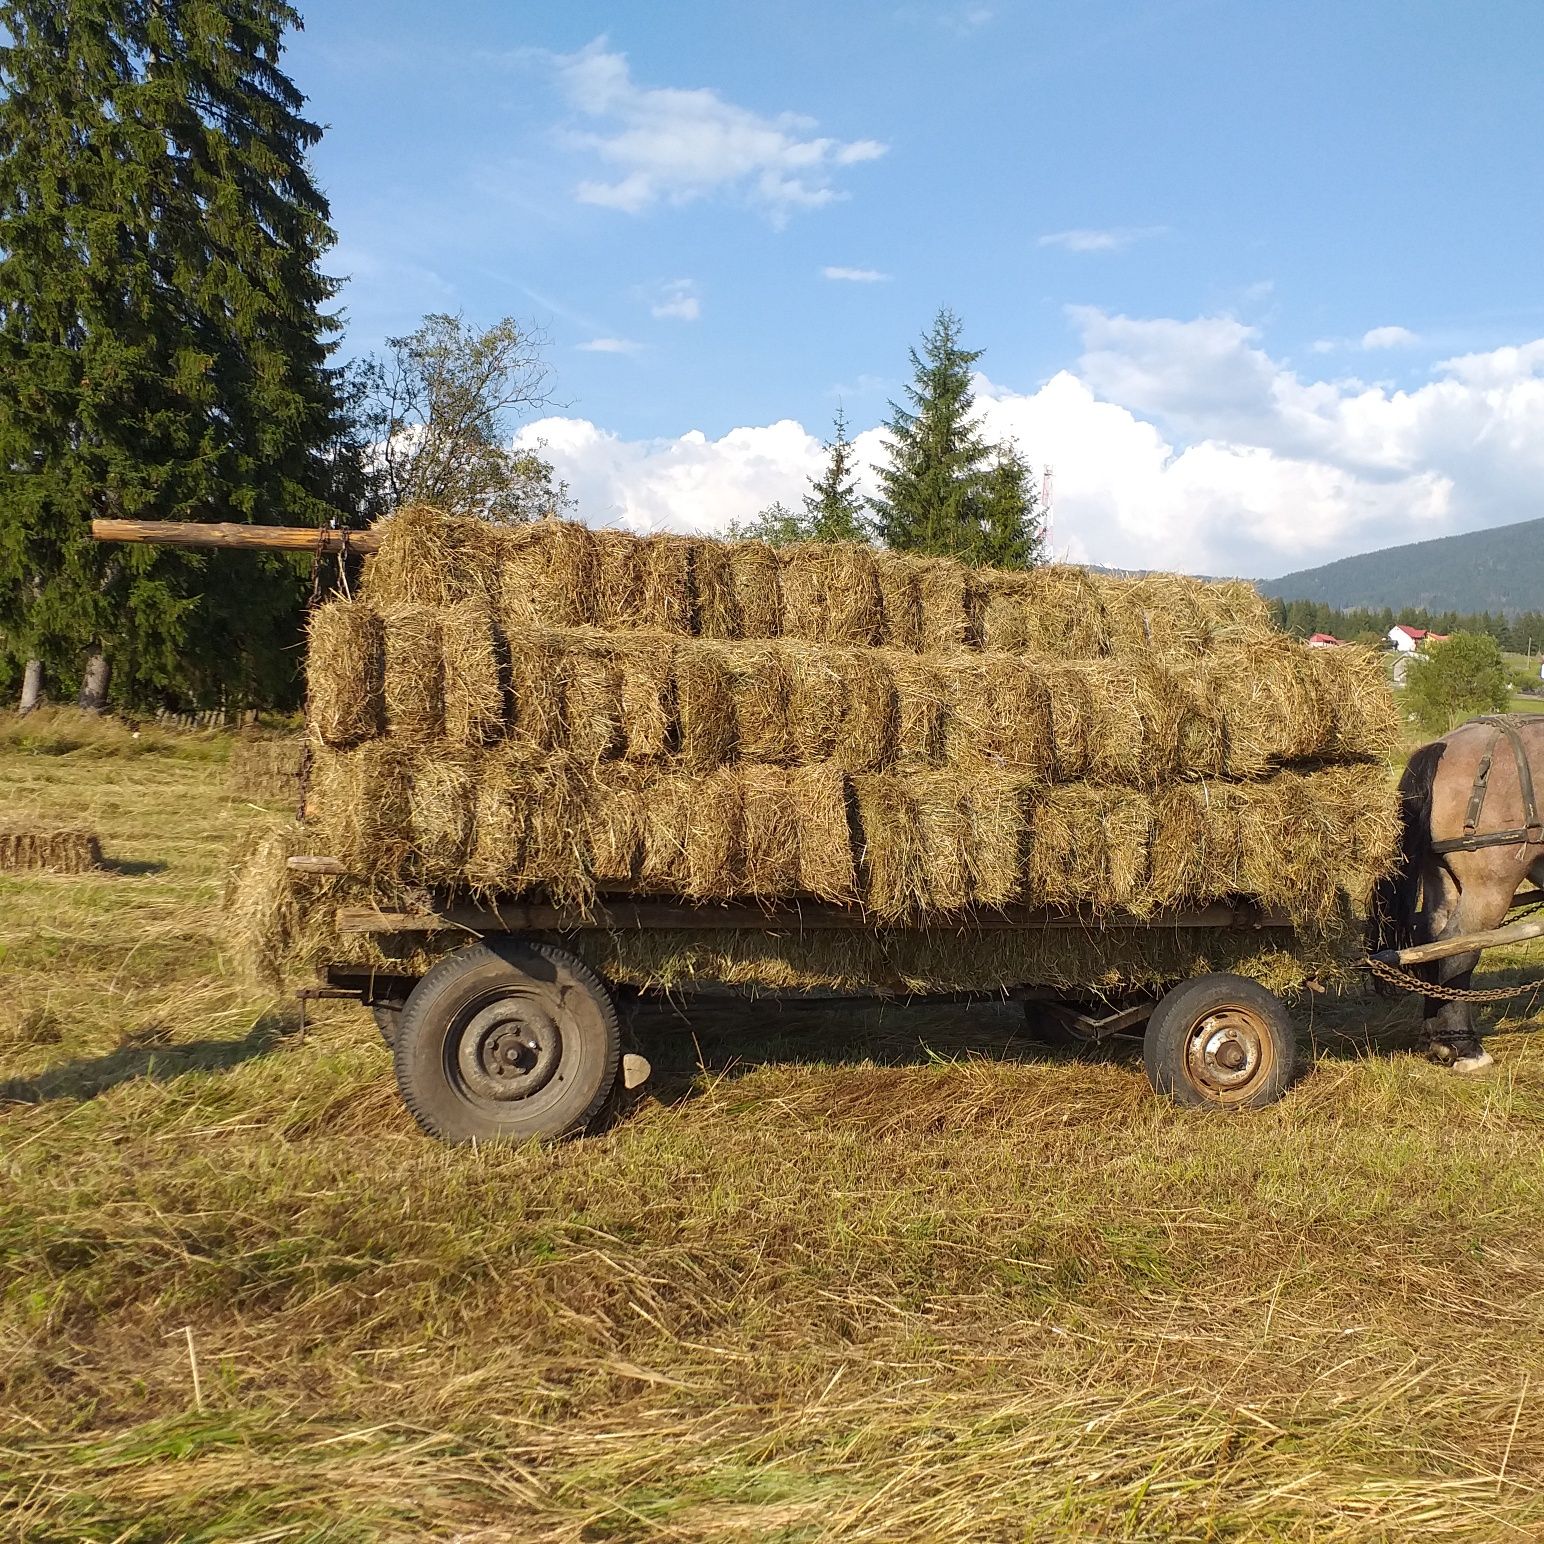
(1499,570)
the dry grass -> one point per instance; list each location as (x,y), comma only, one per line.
(844,1273)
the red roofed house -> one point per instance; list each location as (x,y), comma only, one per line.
(1324,641)
(1408,639)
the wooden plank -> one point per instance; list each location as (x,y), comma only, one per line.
(1465,943)
(627,916)
(303,863)
(235,537)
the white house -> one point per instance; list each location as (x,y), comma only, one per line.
(1408,639)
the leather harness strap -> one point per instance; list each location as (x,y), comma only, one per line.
(1532,829)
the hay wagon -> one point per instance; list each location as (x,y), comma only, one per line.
(554,769)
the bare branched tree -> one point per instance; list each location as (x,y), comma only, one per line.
(439,409)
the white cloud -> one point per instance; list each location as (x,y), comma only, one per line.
(673,145)
(853,275)
(609,346)
(1114,240)
(1389,337)
(1176,444)
(678,300)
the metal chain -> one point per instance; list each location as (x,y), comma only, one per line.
(1410,982)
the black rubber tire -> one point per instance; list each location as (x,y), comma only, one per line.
(1213,1014)
(388,1019)
(493,1017)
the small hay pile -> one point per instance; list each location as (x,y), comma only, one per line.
(68,851)
(267,769)
(557,712)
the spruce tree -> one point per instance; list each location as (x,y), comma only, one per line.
(834,509)
(946,489)
(164,347)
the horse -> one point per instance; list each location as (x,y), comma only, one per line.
(1470,834)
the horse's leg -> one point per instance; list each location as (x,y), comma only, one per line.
(1451,1036)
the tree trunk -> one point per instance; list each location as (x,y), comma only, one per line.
(31,686)
(93,686)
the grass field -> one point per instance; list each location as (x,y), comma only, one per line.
(844,1273)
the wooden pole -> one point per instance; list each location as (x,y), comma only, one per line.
(1465,943)
(233,537)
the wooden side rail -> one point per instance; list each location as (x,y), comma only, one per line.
(236,537)
(615,915)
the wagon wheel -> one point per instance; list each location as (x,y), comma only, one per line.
(505,1041)
(1221,1042)
(388,1019)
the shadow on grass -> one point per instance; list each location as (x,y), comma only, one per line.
(133,867)
(727,1037)
(147,1053)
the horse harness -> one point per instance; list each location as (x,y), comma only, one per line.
(1532,829)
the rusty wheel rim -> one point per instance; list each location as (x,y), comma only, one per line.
(1229,1054)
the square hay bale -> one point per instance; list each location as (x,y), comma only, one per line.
(592,728)
(415,673)
(1088,846)
(63,850)
(1000,716)
(817,701)
(997,806)
(665,584)
(547,574)
(900,593)
(1160,616)
(612,812)
(618,578)
(529,828)
(360,801)
(761,690)
(705,704)
(1054,610)
(923,699)
(952,601)
(827,866)
(475,674)
(441,804)
(694,835)
(1272,704)
(430,557)
(713,587)
(892,853)
(756,575)
(538,680)
(831,593)
(770,811)
(842,705)
(1196,855)
(1233,611)
(1363,802)
(346,673)
(646,694)
(1124,721)
(1364,719)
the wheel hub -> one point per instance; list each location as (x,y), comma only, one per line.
(510,1050)
(1227,1053)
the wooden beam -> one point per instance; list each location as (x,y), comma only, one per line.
(627,916)
(305,864)
(235,537)
(1465,943)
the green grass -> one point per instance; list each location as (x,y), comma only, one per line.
(844,1273)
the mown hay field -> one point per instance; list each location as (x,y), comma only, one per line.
(843,1273)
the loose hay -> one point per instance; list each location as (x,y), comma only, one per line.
(68,851)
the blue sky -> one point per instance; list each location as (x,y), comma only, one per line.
(1259,281)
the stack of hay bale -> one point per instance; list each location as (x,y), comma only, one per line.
(559,712)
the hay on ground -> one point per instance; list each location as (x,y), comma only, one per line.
(346,673)
(67,850)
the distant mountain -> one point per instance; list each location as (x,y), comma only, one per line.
(1497,570)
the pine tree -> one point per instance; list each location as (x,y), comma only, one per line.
(1012,535)
(834,509)
(946,490)
(163,341)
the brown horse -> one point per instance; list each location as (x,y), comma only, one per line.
(1471,834)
